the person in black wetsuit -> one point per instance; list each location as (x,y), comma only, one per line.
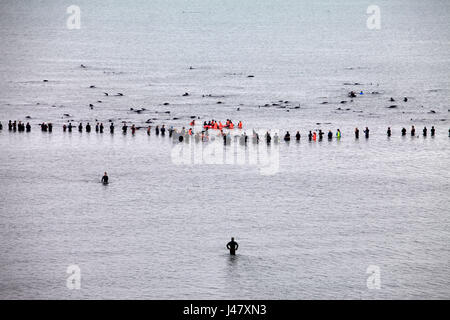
(413,131)
(111,128)
(320,134)
(97,127)
(433,131)
(297,136)
(163,130)
(389,132)
(310,136)
(1,126)
(9,125)
(101,127)
(268,137)
(28,127)
(403,131)
(330,135)
(424,131)
(80,127)
(50,127)
(287,136)
(70,127)
(366,132)
(105,178)
(356,133)
(124,128)
(88,127)
(232,246)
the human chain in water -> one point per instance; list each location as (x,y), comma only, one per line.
(212,130)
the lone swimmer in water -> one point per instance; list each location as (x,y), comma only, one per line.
(232,246)
(105,178)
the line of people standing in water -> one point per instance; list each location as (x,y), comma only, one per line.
(17,126)
(204,134)
(413,131)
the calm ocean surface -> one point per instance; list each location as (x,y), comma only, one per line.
(308,230)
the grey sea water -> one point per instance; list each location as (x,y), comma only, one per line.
(159,229)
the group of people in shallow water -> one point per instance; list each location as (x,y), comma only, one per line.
(217,125)
(204,135)
(413,131)
(17,126)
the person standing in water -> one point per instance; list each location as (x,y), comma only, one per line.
(433,131)
(356,133)
(424,131)
(366,132)
(232,246)
(105,178)
(310,136)
(403,131)
(111,128)
(268,137)
(413,131)
(338,134)
(330,135)
(297,136)
(389,132)
(287,136)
